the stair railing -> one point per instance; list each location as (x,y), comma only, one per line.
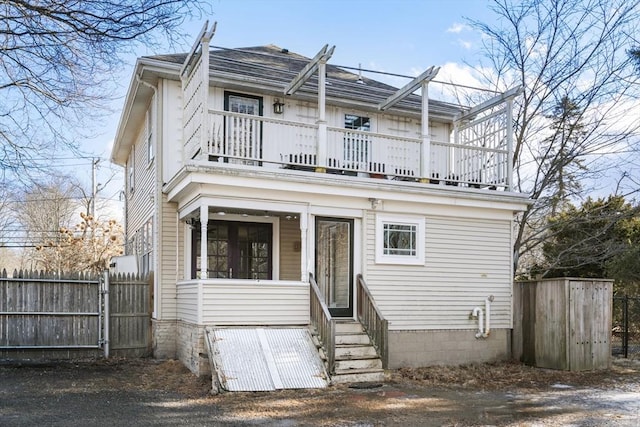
(324,324)
(371,318)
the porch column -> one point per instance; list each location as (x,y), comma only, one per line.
(204,219)
(321,151)
(304,250)
(425,147)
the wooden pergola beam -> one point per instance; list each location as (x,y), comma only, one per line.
(204,35)
(496,100)
(323,55)
(409,88)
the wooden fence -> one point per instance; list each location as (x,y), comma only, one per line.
(68,316)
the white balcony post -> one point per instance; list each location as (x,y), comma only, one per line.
(321,150)
(425,147)
(509,125)
(204,219)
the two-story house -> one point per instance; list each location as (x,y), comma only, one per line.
(265,188)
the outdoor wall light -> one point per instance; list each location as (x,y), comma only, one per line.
(192,223)
(278,106)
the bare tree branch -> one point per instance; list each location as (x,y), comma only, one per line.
(57,58)
(557,49)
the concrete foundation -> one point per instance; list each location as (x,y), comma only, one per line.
(446,347)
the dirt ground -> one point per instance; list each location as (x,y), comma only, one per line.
(158,393)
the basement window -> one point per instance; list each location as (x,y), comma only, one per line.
(399,239)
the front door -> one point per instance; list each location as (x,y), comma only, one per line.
(334,264)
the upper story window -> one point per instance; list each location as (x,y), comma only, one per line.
(351,121)
(399,239)
(244,104)
(149,132)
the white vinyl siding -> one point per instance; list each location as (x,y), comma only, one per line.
(187,302)
(140,204)
(170,129)
(466,260)
(168,264)
(290,250)
(237,303)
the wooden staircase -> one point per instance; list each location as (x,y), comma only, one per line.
(356,360)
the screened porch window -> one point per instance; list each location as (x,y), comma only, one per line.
(235,250)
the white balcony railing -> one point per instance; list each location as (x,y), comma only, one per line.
(477,156)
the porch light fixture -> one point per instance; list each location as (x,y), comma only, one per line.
(278,106)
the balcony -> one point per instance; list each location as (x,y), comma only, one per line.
(477,155)
(475,150)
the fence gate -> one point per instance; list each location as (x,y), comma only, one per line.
(55,316)
(625,338)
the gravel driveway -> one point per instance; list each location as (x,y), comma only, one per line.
(158,393)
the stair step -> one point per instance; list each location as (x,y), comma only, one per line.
(353,338)
(350,352)
(354,376)
(355,364)
(348,327)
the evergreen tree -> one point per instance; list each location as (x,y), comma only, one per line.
(599,239)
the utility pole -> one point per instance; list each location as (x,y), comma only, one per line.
(94,186)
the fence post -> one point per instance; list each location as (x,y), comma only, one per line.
(105,291)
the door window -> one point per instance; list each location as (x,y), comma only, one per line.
(243,135)
(356,141)
(334,265)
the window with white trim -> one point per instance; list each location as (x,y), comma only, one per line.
(399,239)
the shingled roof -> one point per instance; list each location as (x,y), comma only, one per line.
(273,65)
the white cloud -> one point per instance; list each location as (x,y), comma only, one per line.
(465,44)
(457,28)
